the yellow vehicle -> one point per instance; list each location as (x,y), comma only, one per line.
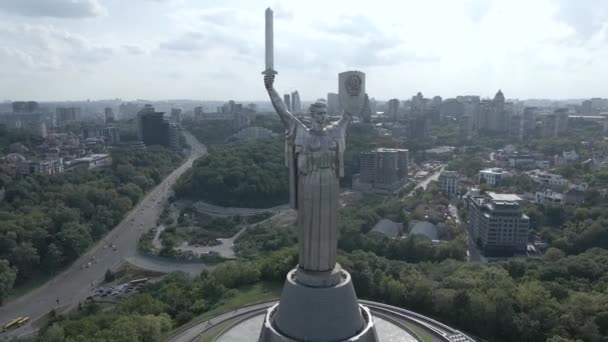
(138,281)
(23,321)
(11,324)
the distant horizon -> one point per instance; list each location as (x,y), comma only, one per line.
(5,101)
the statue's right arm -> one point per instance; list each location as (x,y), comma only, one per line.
(277,102)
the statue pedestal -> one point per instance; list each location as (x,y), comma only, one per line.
(318,314)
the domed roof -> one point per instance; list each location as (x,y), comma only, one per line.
(499,94)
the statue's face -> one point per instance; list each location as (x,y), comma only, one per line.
(319,115)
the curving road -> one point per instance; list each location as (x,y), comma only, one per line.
(74,284)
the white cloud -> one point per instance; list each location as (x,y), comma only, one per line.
(215,49)
(53,8)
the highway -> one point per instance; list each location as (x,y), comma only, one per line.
(74,284)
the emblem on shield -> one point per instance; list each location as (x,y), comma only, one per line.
(352,91)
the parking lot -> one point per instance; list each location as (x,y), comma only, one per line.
(115,291)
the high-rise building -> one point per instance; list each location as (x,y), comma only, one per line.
(451,108)
(198,112)
(296,105)
(497,224)
(418,128)
(496,114)
(109,115)
(418,104)
(128,110)
(176,116)
(384,168)
(465,127)
(516,127)
(287,100)
(449,182)
(333,104)
(392,110)
(31,122)
(67,115)
(586,108)
(529,121)
(154,129)
(25,106)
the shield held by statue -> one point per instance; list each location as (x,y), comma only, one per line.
(351,86)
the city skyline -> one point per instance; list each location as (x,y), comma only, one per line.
(75,50)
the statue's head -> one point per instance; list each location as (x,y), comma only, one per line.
(318,112)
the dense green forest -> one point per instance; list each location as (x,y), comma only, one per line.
(48,221)
(250,174)
(210,132)
(518,300)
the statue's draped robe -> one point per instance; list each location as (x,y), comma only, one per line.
(315,161)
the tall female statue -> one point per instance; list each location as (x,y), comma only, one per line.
(315,159)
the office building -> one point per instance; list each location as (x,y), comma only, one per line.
(31,122)
(44,167)
(176,116)
(497,224)
(548,197)
(516,127)
(154,129)
(465,127)
(109,115)
(392,110)
(418,128)
(109,133)
(449,182)
(383,169)
(198,113)
(451,108)
(296,105)
(333,104)
(586,108)
(128,110)
(287,100)
(417,104)
(493,177)
(67,115)
(548,179)
(25,106)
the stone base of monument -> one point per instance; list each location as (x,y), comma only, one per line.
(316,313)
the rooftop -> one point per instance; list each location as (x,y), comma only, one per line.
(388,228)
(426,229)
(504,197)
(386,149)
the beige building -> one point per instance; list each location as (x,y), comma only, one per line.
(497,224)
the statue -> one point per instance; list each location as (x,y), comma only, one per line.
(318,301)
(316,162)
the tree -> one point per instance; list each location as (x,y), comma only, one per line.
(53,258)
(54,333)
(143,304)
(7,279)
(553,254)
(74,239)
(109,276)
(24,257)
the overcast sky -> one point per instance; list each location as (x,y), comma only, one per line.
(214,49)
